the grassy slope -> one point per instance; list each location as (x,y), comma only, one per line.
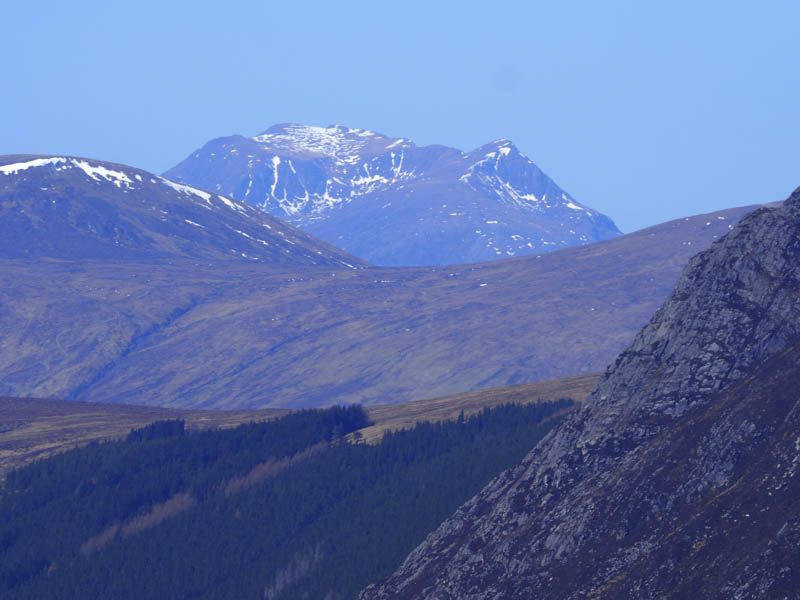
(390,417)
(224,335)
(32,428)
(36,428)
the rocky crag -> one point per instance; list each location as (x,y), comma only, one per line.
(678,476)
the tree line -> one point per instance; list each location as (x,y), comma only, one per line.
(284,509)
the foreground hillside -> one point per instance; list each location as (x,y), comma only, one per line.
(281,510)
(678,477)
(392,417)
(292,324)
(393,203)
(33,428)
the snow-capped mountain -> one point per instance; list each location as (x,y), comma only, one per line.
(393,203)
(75,208)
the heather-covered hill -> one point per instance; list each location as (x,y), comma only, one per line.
(34,428)
(238,333)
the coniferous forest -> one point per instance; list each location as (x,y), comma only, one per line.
(282,509)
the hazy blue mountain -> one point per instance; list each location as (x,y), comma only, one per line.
(75,208)
(393,203)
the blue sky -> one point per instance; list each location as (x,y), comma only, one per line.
(644,112)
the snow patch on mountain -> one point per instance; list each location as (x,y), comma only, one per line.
(569,203)
(95,172)
(186,189)
(336,142)
(118,178)
(237,206)
(205,196)
(15,168)
(399,143)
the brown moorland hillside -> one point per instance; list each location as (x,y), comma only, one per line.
(197,334)
(180,297)
(391,417)
(32,428)
(236,335)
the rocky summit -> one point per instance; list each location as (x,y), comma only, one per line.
(678,477)
(393,203)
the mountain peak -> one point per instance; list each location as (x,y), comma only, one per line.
(502,143)
(67,207)
(300,129)
(342,144)
(794,198)
(498,149)
(97,171)
(394,203)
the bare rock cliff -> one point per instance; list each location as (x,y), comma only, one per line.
(678,476)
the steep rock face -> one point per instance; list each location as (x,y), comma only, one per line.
(677,478)
(393,203)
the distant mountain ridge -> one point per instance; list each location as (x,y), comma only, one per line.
(74,208)
(119,290)
(393,203)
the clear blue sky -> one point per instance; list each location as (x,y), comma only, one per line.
(645,113)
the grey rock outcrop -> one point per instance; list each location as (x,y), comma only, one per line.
(677,477)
